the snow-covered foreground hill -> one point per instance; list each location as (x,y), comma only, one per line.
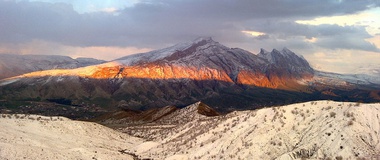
(313,130)
(316,130)
(38,137)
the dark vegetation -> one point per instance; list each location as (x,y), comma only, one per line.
(144,94)
(46,108)
(63,101)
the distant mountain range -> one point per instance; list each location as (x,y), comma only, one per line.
(200,70)
(14,65)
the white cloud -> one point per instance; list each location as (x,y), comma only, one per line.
(254,33)
(342,60)
(368,18)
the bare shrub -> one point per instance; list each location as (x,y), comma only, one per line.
(332,114)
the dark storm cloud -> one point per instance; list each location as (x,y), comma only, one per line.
(158,23)
(329,36)
(348,37)
(248,9)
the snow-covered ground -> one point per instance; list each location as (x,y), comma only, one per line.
(38,137)
(315,130)
(312,130)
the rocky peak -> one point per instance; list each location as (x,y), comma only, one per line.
(287,51)
(204,109)
(287,60)
(198,108)
(276,55)
(171,53)
(206,39)
(263,51)
(285,55)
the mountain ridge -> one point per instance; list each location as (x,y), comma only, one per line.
(313,130)
(14,65)
(200,70)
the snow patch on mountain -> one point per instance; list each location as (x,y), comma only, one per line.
(370,69)
(345,79)
(158,54)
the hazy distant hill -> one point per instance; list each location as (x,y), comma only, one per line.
(14,65)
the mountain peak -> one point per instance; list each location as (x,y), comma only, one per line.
(263,51)
(286,50)
(287,59)
(166,52)
(274,54)
(207,39)
(204,109)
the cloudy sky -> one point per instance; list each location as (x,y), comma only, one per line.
(334,35)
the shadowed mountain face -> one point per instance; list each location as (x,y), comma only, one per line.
(229,78)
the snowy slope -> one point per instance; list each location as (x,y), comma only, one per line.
(158,54)
(370,72)
(38,137)
(373,70)
(312,130)
(336,79)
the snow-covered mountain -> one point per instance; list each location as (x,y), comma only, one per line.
(188,72)
(286,59)
(373,70)
(202,59)
(207,53)
(13,65)
(346,79)
(202,69)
